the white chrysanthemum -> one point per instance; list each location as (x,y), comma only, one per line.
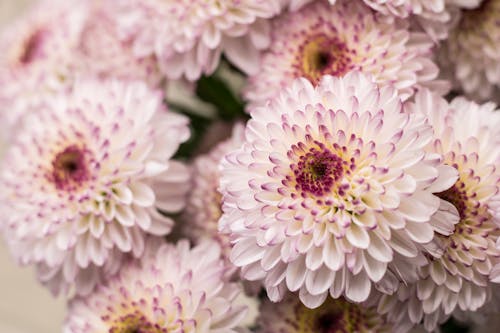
(84,179)
(290,316)
(171,289)
(472,52)
(321,39)
(204,204)
(467,135)
(188,36)
(331,184)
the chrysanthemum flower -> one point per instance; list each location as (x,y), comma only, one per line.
(204,204)
(101,51)
(85,177)
(53,44)
(171,289)
(321,39)
(294,5)
(467,135)
(290,316)
(42,38)
(483,320)
(433,10)
(331,184)
(188,36)
(472,51)
(436,17)
(35,55)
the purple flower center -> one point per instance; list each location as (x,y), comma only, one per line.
(317,171)
(323,55)
(32,47)
(456,197)
(474,216)
(69,168)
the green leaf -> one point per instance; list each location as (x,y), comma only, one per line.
(198,125)
(213,90)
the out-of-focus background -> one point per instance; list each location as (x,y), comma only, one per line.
(25,307)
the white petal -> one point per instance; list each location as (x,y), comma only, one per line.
(338,285)
(358,287)
(245,252)
(420,232)
(143,194)
(358,236)
(437,272)
(375,269)
(318,282)
(125,215)
(311,301)
(296,274)
(314,258)
(334,258)
(379,249)
(401,244)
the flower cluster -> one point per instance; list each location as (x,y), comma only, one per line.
(318,154)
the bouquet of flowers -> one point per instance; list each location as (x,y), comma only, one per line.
(167,164)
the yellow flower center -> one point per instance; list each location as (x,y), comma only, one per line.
(479,20)
(135,323)
(338,316)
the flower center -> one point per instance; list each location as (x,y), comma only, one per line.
(32,48)
(329,323)
(477,19)
(317,171)
(135,323)
(456,197)
(325,55)
(336,316)
(69,168)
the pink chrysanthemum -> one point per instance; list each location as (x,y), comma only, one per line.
(102,52)
(43,39)
(321,39)
(436,17)
(188,36)
(294,5)
(290,316)
(433,9)
(331,184)
(204,204)
(84,179)
(467,135)
(472,51)
(57,41)
(171,289)
(35,54)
